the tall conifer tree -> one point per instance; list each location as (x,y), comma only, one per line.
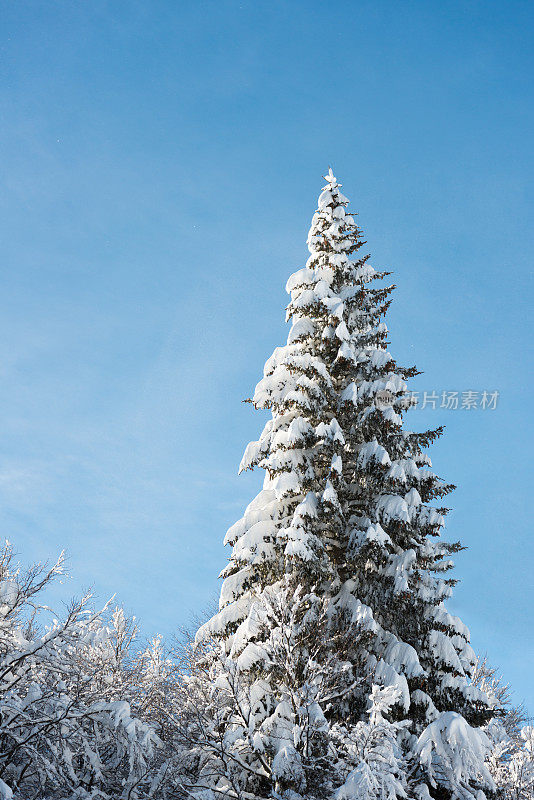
(332,631)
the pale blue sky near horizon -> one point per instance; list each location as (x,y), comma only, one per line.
(160,166)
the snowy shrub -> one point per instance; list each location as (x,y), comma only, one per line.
(60,735)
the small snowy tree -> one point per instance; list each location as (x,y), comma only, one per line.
(381,769)
(511,757)
(60,736)
(519,771)
(346,533)
(488,679)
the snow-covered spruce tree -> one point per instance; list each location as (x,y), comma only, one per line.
(336,584)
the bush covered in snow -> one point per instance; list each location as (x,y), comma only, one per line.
(65,729)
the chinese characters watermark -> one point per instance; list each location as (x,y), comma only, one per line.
(468,400)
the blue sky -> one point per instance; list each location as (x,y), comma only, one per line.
(160,166)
